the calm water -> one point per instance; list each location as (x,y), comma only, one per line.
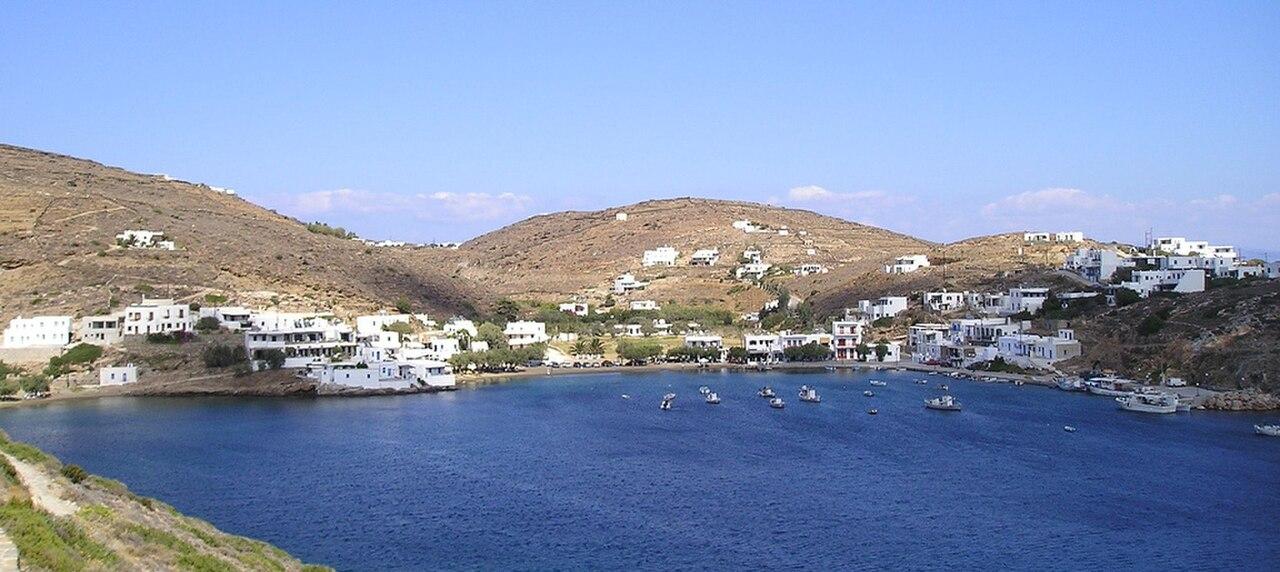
(564,473)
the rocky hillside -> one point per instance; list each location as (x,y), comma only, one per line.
(61,518)
(578,254)
(59,217)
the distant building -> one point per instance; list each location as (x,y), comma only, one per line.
(883,307)
(705,257)
(1144,282)
(809,268)
(627,283)
(944,301)
(233,318)
(1072,236)
(144,239)
(845,337)
(575,308)
(620,216)
(661,256)
(1021,300)
(703,341)
(104,329)
(38,332)
(1097,265)
(118,375)
(304,340)
(458,326)
(157,316)
(905,264)
(525,333)
(644,305)
(752,270)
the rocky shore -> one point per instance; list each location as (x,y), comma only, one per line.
(1243,400)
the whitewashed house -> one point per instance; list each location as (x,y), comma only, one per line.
(105,329)
(752,270)
(627,283)
(523,333)
(661,327)
(905,264)
(304,341)
(661,256)
(705,257)
(944,301)
(620,216)
(1024,300)
(233,318)
(845,337)
(703,341)
(795,340)
(1038,351)
(751,255)
(118,375)
(984,303)
(883,307)
(1070,236)
(144,239)
(460,326)
(628,330)
(746,226)
(374,323)
(1097,265)
(762,347)
(1144,282)
(1036,237)
(38,332)
(157,316)
(575,308)
(809,268)
(644,305)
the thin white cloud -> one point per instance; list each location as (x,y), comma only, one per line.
(1056,202)
(813,194)
(438,206)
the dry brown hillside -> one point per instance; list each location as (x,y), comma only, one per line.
(579,253)
(59,217)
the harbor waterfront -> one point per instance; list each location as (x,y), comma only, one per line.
(564,472)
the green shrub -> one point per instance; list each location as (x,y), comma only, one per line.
(74,473)
(274,358)
(222,355)
(80,354)
(49,543)
(322,228)
(215,299)
(403,306)
(1150,325)
(208,324)
(1126,296)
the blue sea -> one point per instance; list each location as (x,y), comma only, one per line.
(564,473)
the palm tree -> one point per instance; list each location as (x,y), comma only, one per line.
(596,346)
(579,347)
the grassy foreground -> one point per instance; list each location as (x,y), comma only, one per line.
(106,527)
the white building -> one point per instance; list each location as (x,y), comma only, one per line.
(144,239)
(1097,264)
(305,341)
(661,256)
(459,326)
(525,333)
(762,347)
(1024,300)
(845,337)
(377,322)
(157,316)
(905,264)
(627,283)
(628,330)
(752,254)
(1038,351)
(1144,282)
(620,216)
(795,340)
(752,270)
(233,318)
(705,257)
(118,375)
(883,307)
(105,329)
(984,303)
(944,301)
(703,341)
(809,268)
(1072,236)
(38,332)
(746,226)
(575,308)
(644,305)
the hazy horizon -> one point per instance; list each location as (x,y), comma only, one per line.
(442,122)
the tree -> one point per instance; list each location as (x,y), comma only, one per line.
(36,383)
(274,358)
(74,473)
(862,351)
(596,346)
(403,306)
(490,332)
(812,351)
(208,324)
(882,350)
(579,348)
(636,351)
(1126,296)
(222,355)
(1150,325)
(506,309)
(737,354)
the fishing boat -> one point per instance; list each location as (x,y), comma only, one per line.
(869,393)
(712,398)
(878,383)
(809,395)
(766,392)
(1267,430)
(1149,402)
(943,403)
(1108,386)
(777,403)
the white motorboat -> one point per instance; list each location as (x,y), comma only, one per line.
(1108,386)
(766,392)
(1068,428)
(809,395)
(1268,430)
(777,403)
(869,393)
(666,404)
(625,396)
(943,403)
(1070,383)
(922,382)
(873,411)
(712,398)
(878,383)
(704,390)
(1149,402)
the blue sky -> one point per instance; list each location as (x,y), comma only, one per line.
(439,121)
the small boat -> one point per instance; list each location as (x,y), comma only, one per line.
(777,403)
(704,390)
(666,404)
(1267,430)
(944,403)
(1070,383)
(1145,402)
(1069,428)
(809,395)
(922,382)
(1108,386)
(873,411)
(625,396)
(713,399)
(878,383)
(943,387)
(869,393)
(766,392)
(1184,405)
(1019,382)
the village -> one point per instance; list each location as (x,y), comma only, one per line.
(1022,330)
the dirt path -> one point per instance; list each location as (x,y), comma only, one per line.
(44,491)
(8,554)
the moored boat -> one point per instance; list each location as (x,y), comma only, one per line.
(1070,383)
(1069,428)
(873,411)
(809,395)
(943,403)
(712,398)
(704,390)
(1146,402)
(766,392)
(878,383)
(1108,386)
(1267,430)
(777,403)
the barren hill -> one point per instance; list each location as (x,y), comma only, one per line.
(579,253)
(59,217)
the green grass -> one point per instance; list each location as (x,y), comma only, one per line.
(25,452)
(50,543)
(203,563)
